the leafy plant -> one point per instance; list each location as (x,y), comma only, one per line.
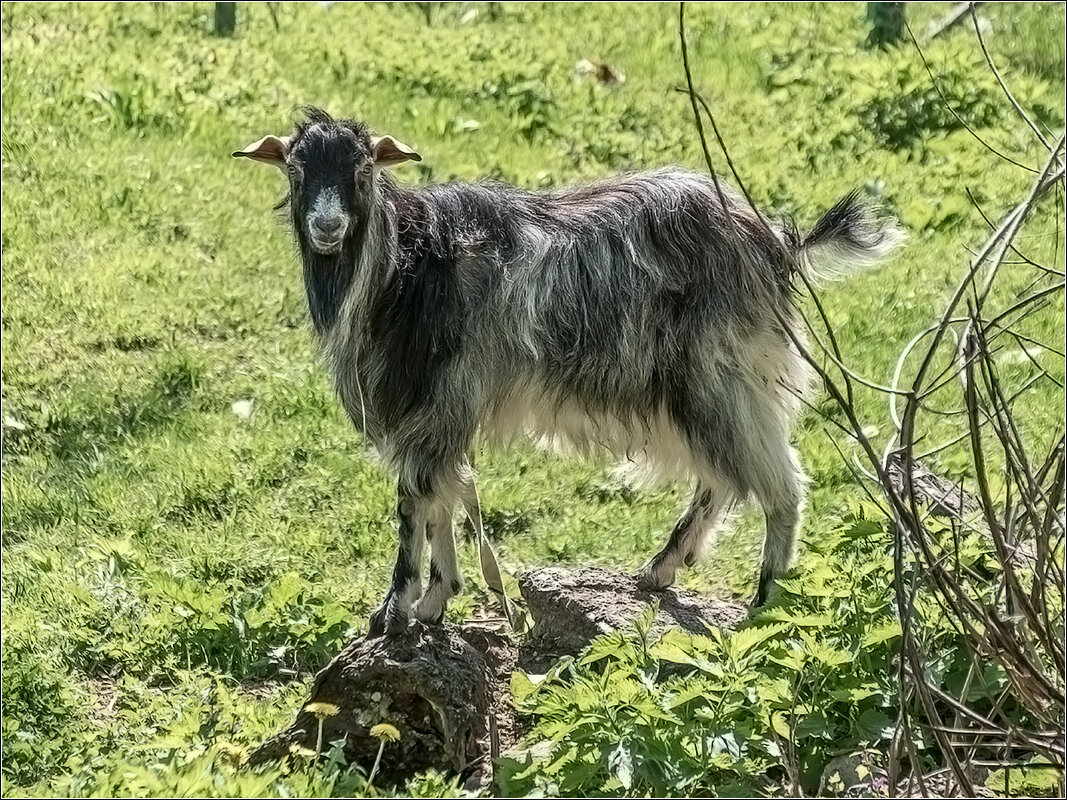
(807,679)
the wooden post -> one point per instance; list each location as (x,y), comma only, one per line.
(225,18)
(887,23)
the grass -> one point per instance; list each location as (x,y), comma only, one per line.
(174,571)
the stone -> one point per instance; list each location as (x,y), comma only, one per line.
(446,688)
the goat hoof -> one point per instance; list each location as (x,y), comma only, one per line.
(431,614)
(395,624)
(649,581)
(763,591)
(387,620)
(376,625)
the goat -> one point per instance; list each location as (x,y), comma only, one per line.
(651,314)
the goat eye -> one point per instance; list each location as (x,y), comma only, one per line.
(294,171)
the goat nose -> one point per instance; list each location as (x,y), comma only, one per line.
(328,226)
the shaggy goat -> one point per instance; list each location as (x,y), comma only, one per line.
(646,314)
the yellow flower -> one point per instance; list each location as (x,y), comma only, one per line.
(299,750)
(321,710)
(385,732)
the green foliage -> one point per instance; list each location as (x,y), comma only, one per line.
(164,555)
(910,105)
(191,740)
(246,631)
(42,710)
(684,715)
(807,679)
(901,101)
(1041,779)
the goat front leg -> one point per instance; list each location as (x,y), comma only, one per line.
(391,617)
(445,581)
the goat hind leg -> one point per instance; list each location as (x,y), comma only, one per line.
(782,523)
(781,506)
(469,495)
(688,538)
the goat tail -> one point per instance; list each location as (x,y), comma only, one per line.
(852,235)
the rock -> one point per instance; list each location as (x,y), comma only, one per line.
(446,689)
(859,774)
(945,498)
(439,686)
(570,607)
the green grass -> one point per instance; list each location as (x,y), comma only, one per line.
(196,566)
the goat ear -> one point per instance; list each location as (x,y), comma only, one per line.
(388,152)
(268,150)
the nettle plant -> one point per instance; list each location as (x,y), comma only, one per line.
(808,679)
(280,629)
